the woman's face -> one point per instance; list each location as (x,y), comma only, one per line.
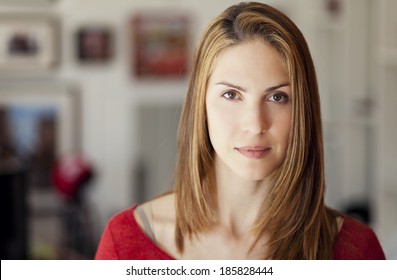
(248,104)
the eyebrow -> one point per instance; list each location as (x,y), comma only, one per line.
(270,89)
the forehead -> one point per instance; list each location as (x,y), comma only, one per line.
(252,61)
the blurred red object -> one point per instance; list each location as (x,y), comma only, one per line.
(70,174)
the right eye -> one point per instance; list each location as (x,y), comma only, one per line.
(230,95)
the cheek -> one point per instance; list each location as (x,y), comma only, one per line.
(221,120)
(282,127)
(285,129)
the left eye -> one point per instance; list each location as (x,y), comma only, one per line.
(279,98)
(230,95)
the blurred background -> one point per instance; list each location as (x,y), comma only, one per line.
(90,96)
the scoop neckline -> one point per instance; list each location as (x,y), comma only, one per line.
(167,255)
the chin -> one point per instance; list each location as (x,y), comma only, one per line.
(253,176)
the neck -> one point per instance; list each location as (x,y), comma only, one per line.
(239,200)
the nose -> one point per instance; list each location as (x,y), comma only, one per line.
(254,119)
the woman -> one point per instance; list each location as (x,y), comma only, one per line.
(250,169)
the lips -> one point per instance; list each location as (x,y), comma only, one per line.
(254,152)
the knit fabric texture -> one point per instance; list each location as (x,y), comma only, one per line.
(123,239)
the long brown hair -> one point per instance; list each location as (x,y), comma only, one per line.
(294,216)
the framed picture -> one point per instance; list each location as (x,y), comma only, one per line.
(94,44)
(38,123)
(28,43)
(160,43)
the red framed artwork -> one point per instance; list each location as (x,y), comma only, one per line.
(160,44)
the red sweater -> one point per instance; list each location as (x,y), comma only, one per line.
(123,239)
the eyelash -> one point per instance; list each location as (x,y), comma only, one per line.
(229,93)
(281,94)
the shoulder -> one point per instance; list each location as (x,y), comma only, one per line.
(161,216)
(160,209)
(356,241)
(110,244)
(124,239)
(122,218)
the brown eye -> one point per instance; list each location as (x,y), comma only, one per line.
(279,98)
(230,95)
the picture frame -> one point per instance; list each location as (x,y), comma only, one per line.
(29,43)
(160,43)
(39,123)
(94,44)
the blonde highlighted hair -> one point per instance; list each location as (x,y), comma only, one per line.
(294,216)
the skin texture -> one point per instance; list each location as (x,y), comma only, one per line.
(249,110)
